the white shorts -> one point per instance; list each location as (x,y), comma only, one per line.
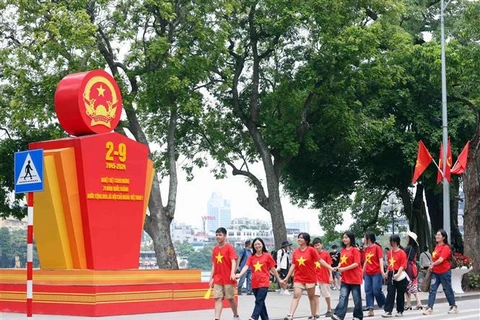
(322,289)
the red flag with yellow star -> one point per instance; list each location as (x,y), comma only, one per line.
(440,163)
(461,164)
(424,158)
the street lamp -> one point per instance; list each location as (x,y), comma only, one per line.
(392,210)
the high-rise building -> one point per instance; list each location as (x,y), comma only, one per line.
(219,213)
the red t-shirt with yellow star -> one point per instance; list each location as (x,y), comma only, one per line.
(323,274)
(397,259)
(261,266)
(222,260)
(304,262)
(441,250)
(372,256)
(347,258)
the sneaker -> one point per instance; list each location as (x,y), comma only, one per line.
(452,310)
(399,314)
(428,311)
(236,318)
(288,317)
(387,315)
(334,317)
(286,292)
(328,314)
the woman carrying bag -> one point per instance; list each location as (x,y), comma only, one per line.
(441,274)
(412,289)
(397,279)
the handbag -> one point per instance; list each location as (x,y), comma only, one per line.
(402,276)
(453,260)
(425,287)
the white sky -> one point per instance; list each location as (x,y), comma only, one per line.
(193,196)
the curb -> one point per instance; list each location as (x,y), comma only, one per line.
(460,297)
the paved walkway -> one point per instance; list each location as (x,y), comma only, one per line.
(277,305)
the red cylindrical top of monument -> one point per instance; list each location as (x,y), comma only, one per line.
(88,103)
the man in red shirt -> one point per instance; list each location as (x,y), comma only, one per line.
(324,278)
(222,278)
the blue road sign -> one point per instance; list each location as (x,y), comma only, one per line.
(28,171)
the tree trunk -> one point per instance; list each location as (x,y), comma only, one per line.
(157,224)
(471,188)
(434,210)
(417,217)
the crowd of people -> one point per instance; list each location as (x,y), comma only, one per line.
(317,271)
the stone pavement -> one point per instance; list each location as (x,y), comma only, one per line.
(277,305)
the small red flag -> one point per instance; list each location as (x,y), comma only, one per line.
(440,163)
(461,164)
(424,158)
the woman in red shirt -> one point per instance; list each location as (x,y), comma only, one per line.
(261,264)
(350,266)
(397,278)
(373,272)
(440,267)
(303,263)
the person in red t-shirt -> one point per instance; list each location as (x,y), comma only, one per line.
(351,268)
(324,278)
(303,263)
(261,264)
(222,278)
(397,278)
(373,273)
(440,268)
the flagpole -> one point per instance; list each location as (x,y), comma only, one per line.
(446,184)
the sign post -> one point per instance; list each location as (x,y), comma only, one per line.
(28,167)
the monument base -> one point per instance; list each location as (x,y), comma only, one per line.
(104,293)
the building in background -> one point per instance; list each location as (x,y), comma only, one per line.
(219,213)
(13,224)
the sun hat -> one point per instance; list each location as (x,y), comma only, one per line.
(413,236)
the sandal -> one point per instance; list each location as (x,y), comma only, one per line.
(419,307)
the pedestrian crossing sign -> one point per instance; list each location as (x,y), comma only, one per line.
(28,167)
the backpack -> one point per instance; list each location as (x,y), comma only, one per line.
(274,256)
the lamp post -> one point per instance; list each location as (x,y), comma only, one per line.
(446,184)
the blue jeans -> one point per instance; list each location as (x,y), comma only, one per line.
(342,306)
(373,289)
(260,309)
(248,277)
(446,280)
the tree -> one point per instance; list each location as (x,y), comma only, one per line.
(268,82)
(155,50)
(395,94)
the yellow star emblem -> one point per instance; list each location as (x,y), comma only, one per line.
(219,258)
(343,260)
(101,91)
(434,254)
(258,266)
(391,262)
(318,265)
(368,257)
(301,261)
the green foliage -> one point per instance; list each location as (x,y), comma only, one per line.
(12,245)
(473,280)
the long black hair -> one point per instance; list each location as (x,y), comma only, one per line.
(264,249)
(305,237)
(351,236)
(444,235)
(370,236)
